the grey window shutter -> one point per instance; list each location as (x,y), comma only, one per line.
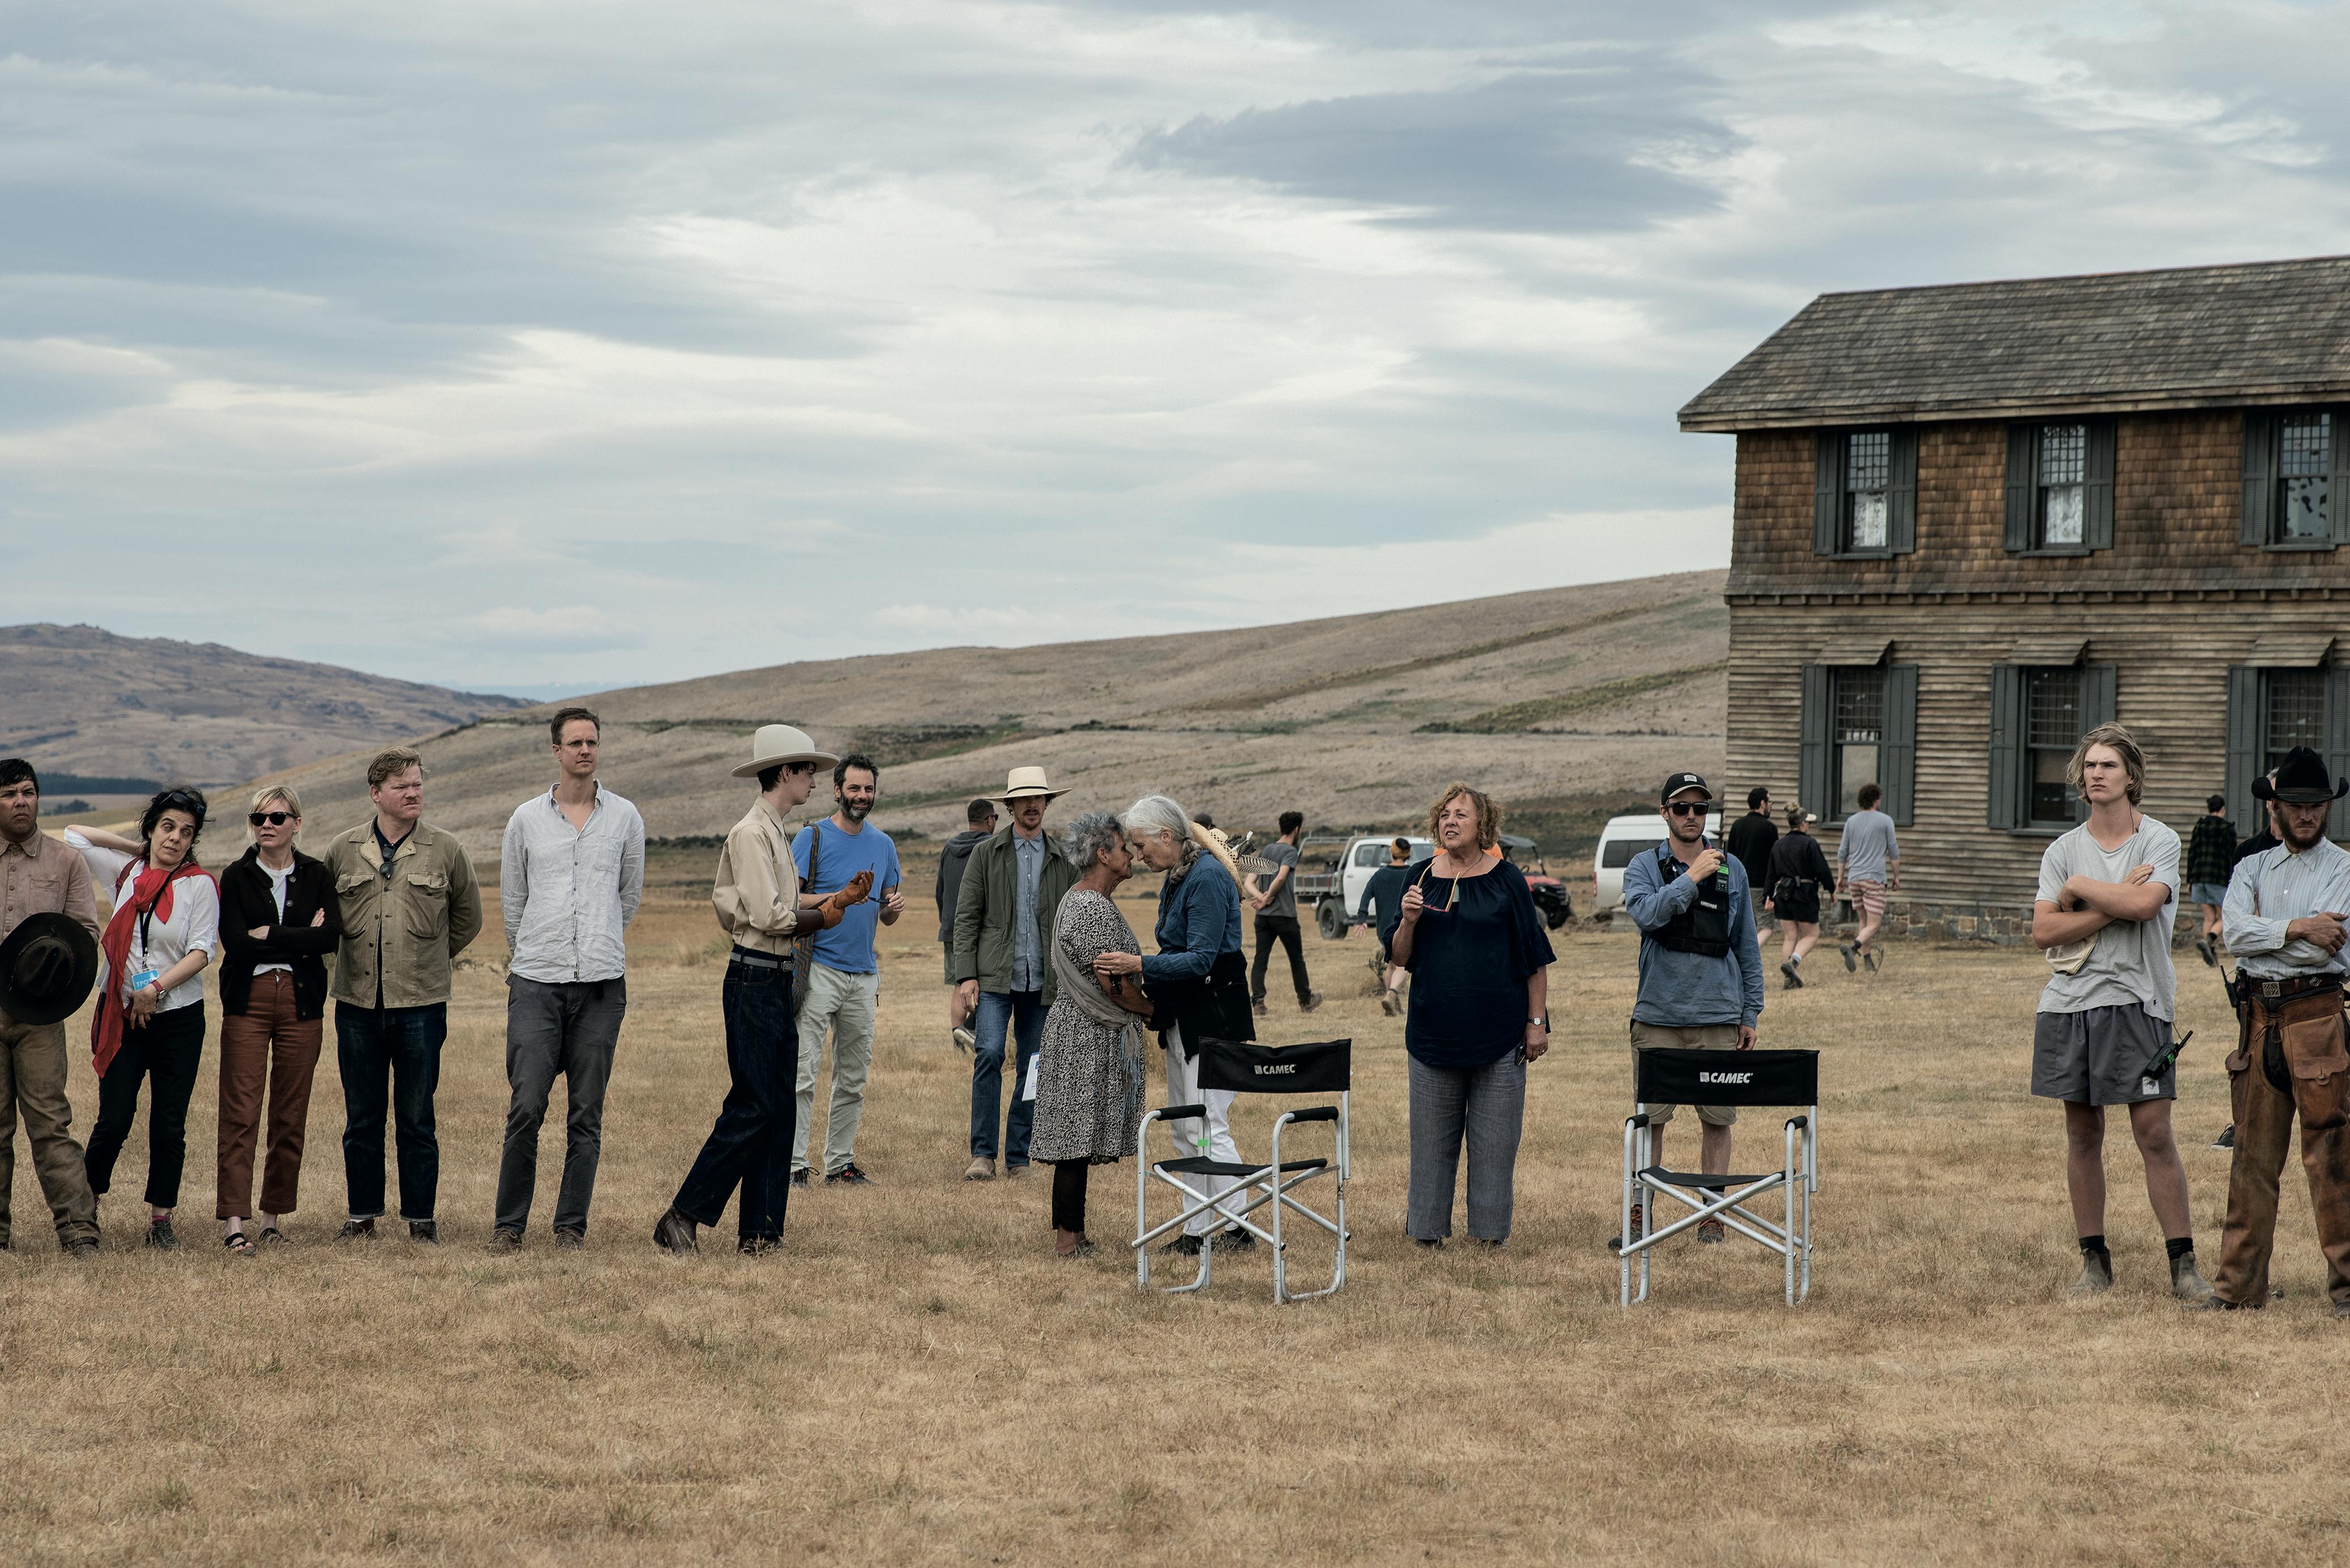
(2023,483)
(2243,747)
(2097,492)
(2337,484)
(1896,766)
(1901,500)
(2005,796)
(1811,749)
(1827,496)
(2098,690)
(2260,477)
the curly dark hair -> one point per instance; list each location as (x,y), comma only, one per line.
(179,798)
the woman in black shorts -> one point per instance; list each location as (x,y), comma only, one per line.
(1799,869)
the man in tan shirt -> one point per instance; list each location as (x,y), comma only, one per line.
(38,875)
(759,904)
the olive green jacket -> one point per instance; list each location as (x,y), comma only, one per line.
(984,911)
(405,927)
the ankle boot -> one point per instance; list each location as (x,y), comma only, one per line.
(2097,1275)
(2186,1282)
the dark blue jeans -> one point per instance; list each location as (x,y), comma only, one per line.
(390,1064)
(1020,1013)
(751,1146)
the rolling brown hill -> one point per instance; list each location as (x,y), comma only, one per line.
(1566,701)
(84,701)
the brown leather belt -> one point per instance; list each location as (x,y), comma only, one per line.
(2269,992)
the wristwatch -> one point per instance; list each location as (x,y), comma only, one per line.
(1543,1023)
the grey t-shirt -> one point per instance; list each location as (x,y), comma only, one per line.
(1284,903)
(1868,843)
(2130,965)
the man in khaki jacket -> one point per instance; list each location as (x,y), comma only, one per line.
(410,905)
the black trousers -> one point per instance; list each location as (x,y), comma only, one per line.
(750,1145)
(166,1048)
(1281,928)
(1069,1195)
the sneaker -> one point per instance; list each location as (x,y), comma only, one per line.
(1257,1006)
(1789,979)
(1233,1239)
(964,1040)
(2211,953)
(2226,1138)
(1015,1172)
(1640,1229)
(1313,1000)
(981,1169)
(1711,1234)
(674,1233)
(2187,1281)
(504,1239)
(1851,958)
(800,1179)
(162,1237)
(426,1232)
(571,1240)
(356,1231)
(2097,1275)
(1184,1246)
(849,1176)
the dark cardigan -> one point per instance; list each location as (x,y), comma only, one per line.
(245,903)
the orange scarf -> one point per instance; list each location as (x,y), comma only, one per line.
(150,895)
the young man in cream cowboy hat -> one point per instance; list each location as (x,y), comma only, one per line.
(760,905)
(1003,917)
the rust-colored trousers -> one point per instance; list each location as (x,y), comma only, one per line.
(265,1045)
(2264,1120)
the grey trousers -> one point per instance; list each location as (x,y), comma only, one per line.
(1485,1107)
(569,1029)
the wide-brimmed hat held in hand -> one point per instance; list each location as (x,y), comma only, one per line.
(779,743)
(48,966)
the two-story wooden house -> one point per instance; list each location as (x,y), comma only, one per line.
(1972,522)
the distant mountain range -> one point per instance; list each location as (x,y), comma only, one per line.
(82,700)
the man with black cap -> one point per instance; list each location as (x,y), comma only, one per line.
(48,961)
(1700,966)
(2285,920)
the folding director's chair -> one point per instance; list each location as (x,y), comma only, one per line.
(1672,1078)
(1323,1067)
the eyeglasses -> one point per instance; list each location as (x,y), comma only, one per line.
(273,818)
(1689,807)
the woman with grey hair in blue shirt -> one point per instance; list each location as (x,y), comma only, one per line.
(1198,984)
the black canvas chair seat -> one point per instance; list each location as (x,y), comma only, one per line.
(1669,1076)
(1321,1067)
(1202,1166)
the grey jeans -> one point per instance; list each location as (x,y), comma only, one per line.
(1485,1107)
(569,1029)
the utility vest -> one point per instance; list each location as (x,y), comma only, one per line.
(1703,928)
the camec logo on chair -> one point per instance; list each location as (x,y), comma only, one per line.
(1725,1078)
(1262,1068)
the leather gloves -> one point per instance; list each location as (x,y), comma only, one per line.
(832,905)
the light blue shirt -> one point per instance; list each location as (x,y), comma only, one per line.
(1866,843)
(1027,957)
(849,946)
(1690,990)
(2273,889)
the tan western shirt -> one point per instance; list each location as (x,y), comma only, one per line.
(757,894)
(40,877)
(404,926)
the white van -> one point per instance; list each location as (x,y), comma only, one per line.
(1619,841)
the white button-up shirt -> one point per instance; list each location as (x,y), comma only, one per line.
(568,893)
(2269,891)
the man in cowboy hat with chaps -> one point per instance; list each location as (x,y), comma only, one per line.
(48,961)
(1003,917)
(2285,919)
(760,905)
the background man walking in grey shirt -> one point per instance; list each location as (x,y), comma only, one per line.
(572,874)
(1868,862)
(1276,916)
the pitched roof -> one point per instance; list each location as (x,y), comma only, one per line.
(2183,337)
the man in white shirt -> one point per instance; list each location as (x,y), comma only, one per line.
(572,874)
(2284,917)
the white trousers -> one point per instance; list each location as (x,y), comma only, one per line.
(1191,1138)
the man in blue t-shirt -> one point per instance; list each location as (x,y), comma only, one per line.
(845,981)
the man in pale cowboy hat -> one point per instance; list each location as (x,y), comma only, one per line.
(48,961)
(1003,917)
(2285,919)
(760,905)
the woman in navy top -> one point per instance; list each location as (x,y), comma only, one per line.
(1469,932)
(1198,986)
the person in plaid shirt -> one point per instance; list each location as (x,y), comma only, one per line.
(2210,858)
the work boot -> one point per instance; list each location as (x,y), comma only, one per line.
(1311,1000)
(1869,957)
(2211,954)
(2226,1138)
(160,1236)
(1616,1243)
(504,1239)
(426,1232)
(673,1234)
(981,1169)
(1792,980)
(1711,1232)
(1851,958)
(2097,1275)
(2186,1282)
(1256,1005)
(356,1231)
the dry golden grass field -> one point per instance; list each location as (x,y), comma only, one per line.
(915,1379)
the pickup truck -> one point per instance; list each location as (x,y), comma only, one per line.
(1333,871)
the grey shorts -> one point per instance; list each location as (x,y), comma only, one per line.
(2098,1057)
(2214,893)
(1705,1037)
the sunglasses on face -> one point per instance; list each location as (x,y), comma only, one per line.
(1689,807)
(273,818)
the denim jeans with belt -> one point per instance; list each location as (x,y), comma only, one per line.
(390,1064)
(1021,1014)
(751,1146)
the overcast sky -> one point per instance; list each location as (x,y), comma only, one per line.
(535,345)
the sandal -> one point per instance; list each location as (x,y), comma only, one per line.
(237,1242)
(270,1236)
